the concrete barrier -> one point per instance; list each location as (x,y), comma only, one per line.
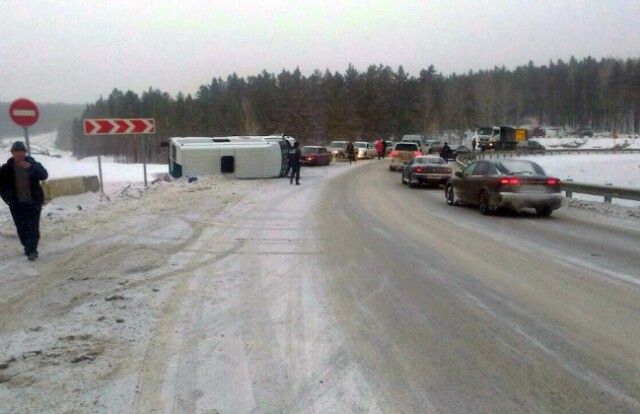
(58,187)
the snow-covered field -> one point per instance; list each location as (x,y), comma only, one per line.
(590,143)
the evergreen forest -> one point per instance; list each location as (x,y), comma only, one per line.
(378,102)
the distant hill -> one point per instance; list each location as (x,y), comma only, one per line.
(52,117)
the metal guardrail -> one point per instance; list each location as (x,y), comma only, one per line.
(514,154)
(568,186)
(607,191)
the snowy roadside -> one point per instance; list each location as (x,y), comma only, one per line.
(83,313)
(141,300)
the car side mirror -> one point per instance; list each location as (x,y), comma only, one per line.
(459,174)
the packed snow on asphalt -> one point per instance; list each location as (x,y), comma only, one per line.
(180,297)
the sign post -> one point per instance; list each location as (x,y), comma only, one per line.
(100,174)
(24,113)
(144,160)
(121,127)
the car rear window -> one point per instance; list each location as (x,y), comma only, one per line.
(337,144)
(310,150)
(519,167)
(401,146)
(429,160)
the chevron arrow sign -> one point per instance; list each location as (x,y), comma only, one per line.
(119,126)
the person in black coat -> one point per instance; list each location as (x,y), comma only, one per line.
(290,147)
(351,152)
(294,161)
(445,152)
(20,188)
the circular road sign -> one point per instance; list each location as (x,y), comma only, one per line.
(24,112)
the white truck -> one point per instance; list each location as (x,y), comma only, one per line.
(487,137)
(502,138)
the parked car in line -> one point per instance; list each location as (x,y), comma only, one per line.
(390,145)
(416,138)
(459,149)
(531,147)
(338,150)
(426,169)
(364,150)
(432,146)
(585,132)
(509,183)
(315,155)
(453,152)
(401,153)
(538,132)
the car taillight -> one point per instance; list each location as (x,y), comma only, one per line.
(418,170)
(509,181)
(447,170)
(552,181)
(393,154)
(417,153)
(309,158)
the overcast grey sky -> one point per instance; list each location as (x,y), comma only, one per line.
(75,51)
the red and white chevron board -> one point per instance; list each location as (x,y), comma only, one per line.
(119,126)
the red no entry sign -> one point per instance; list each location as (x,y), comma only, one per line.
(24,112)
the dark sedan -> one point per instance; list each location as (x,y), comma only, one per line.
(514,184)
(531,147)
(459,149)
(426,169)
(454,151)
(315,155)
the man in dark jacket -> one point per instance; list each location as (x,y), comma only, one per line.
(445,152)
(20,188)
(351,151)
(294,161)
(290,147)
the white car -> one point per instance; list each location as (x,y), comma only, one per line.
(338,150)
(431,146)
(364,150)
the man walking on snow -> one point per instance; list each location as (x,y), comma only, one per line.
(20,188)
(294,162)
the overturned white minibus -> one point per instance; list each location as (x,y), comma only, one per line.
(241,157)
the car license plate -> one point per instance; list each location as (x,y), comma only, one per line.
(532,188)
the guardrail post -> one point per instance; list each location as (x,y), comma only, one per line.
(607,198)
(569,193)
